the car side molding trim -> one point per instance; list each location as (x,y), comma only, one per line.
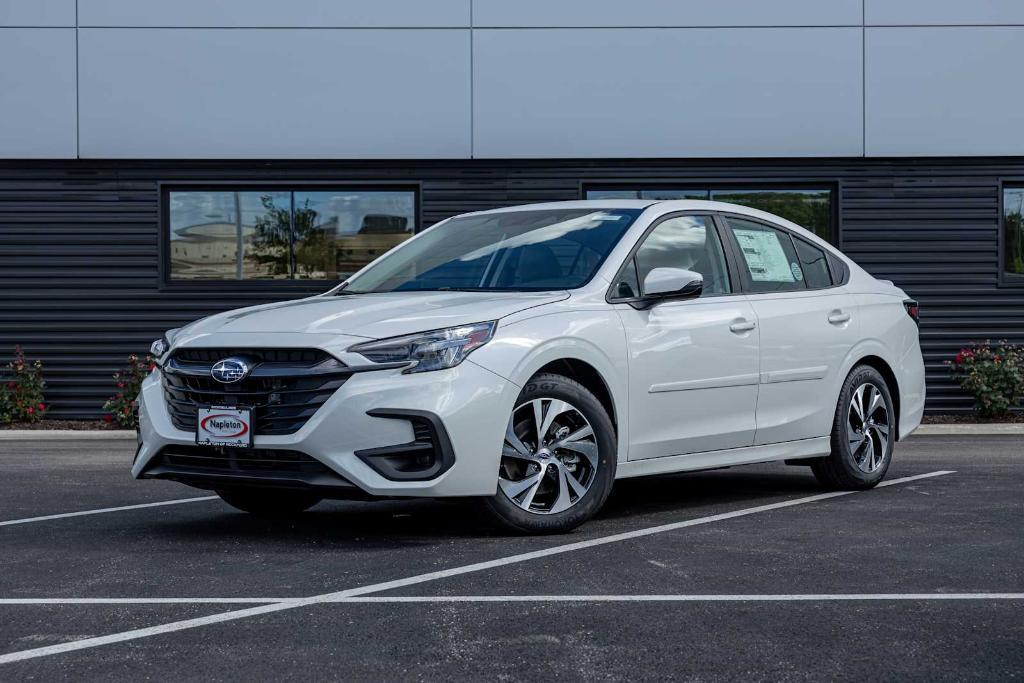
(707,383)
(795,375)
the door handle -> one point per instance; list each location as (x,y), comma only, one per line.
(741,326)
(838,317)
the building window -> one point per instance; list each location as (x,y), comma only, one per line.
(282,233)
(808,207)
(1012,242)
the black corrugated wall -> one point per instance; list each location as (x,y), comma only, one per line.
(79,245)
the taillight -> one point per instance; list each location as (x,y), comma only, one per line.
(913,310)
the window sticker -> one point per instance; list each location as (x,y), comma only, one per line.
(765,257)
(798,273)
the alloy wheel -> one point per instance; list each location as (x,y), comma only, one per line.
(868,427)
(550,456)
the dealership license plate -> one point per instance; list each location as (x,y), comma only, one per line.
(221,426)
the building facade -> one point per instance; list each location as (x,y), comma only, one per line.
(161,161)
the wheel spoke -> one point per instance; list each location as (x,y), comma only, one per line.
(555,408)
(574,483)
(513,440)
(855,441)
(874,398)
(512,453)
(529,485)
(538,418)
(563,501)
(858,403)
(574,442)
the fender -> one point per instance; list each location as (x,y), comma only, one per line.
(593,337)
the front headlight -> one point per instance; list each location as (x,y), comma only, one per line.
(162,345)
(434,350)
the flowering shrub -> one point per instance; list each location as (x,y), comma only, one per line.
(121,405)
(993,374)
(21,394)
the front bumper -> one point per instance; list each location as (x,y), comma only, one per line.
(369,413)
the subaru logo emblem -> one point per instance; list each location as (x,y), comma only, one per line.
(229,370)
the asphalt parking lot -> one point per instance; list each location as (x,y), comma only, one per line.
(742,573)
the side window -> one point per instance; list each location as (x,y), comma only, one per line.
(688,242)
(814,263)
(769,256)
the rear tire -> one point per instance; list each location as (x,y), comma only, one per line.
(555,475)
(268,503)
(863,434)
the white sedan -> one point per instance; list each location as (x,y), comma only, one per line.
(531,356)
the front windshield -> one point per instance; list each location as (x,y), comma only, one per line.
(530,250)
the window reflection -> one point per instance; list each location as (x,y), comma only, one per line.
(229,235)
(808,208)
(1013,230)
(337,233)
(275,234)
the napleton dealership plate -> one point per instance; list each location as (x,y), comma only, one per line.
(222,426)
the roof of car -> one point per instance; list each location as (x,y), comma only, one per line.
(663,206)
(667,204)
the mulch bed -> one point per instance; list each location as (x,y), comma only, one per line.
(77,425)
(972,419)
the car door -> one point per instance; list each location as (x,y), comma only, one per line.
(807,327)
(692,364)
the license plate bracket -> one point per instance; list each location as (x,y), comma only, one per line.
(229,426)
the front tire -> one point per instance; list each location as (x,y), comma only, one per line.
(558,461)
(863,433)
(268,503)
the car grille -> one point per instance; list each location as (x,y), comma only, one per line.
(284,388)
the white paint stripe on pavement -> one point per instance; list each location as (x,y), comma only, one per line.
(234,615)
(140,601)
(101,511)
(808,597)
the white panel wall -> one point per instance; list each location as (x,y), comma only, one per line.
(274,13)
(931,12)
(944,91)
(28,13)
(286,93)
(37,92)
(510,78)
(616,13)
(667,92)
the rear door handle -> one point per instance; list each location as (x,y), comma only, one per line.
(838,317)
(741,326)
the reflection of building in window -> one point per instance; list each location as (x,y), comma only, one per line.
(216,235)
(810,208)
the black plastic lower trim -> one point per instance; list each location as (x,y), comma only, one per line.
(185,464)
(431,444)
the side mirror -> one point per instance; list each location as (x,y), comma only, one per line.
(671,283)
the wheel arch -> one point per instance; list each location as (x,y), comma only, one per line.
(587,375)
(887,373)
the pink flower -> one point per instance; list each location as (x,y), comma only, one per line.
(108,418)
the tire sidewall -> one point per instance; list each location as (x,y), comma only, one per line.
(558,387)
(841,431)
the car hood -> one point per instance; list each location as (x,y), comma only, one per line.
(373,316)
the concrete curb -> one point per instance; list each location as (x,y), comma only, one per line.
(953,429)
(65,434)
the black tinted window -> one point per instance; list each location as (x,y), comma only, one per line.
(814,264)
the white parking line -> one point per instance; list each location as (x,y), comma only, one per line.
(101,511)
(753,597)
(234,615)
(140,601)
(808,597)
